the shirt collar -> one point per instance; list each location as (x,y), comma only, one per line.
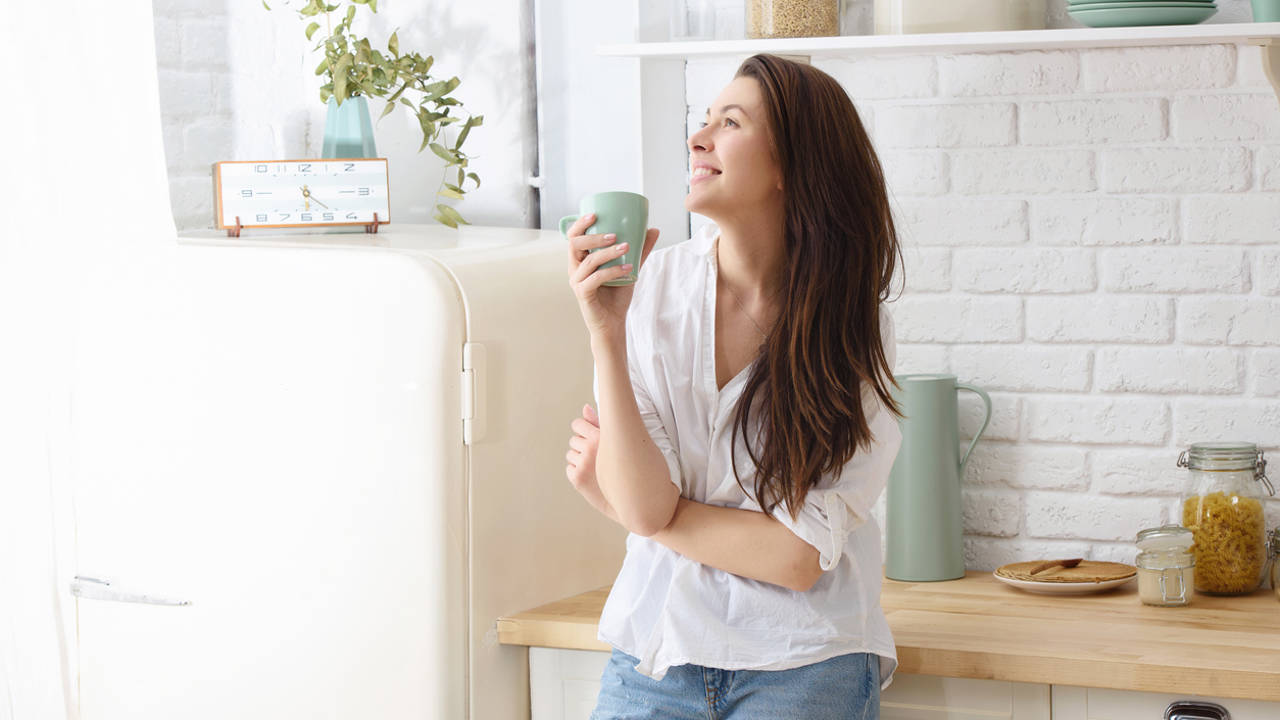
(703,241)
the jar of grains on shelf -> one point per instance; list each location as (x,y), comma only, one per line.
(793,18)
(1223,509)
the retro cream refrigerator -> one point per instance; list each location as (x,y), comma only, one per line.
(314,472)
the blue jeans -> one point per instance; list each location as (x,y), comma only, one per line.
(845,688)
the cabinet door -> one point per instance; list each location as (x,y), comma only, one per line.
(928,697)
(1077,703)
(563,684)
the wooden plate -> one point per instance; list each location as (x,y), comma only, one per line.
(1088,577)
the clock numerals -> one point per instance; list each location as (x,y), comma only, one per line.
(306,217)
(261,217)
(327,217)
(348,167)
(246,193)
(304,167)
(285,216)
(302,193)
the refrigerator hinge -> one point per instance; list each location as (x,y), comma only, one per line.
(473,392)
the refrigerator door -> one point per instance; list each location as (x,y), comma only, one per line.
(272,436)
(533,539)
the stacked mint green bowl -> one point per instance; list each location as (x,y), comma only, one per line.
(1096,13)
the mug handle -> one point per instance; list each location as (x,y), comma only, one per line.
(985,399)
(566,221)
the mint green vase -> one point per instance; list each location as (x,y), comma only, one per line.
(924,526)
(348,133)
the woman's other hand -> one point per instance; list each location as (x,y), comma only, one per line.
(604,309)
(581,459)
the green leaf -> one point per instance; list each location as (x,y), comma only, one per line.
(440,218)
(340,86)
(447,155)
(265,5)
(373,5)
(387,110)
(406,102)
(466,129)
(475,177)
(449,192)
(452,214)
(312,28)
(454,188)
(351,13)
(393,44)
(475,120)
(322,67)
(459,183)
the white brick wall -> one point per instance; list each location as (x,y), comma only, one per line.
(1094,237)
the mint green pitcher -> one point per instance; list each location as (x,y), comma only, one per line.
(923,524)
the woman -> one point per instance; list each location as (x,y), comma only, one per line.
(746,426)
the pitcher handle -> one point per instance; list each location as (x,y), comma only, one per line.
(986,399)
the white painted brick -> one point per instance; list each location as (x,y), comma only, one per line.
(1197,420)
(168,36)
(1208,118)
(918,358)
(1265,369)
(1032,270)
(1174,269)
(1021,73)
(995,513)
(1136,472)
(1092,121)
(1023,368)
(205,44)
(1248,219)
(977,172)
(1268,161)
(1267,276)
(1249,72)
(1091,517)
(966,221)
(1171,67)
(951,318)
(1169,370)
(1175,169)
(1028,466)
(1123,319)
(981,125)
(706,77)
(205,142)
(192,199)
(1121,552)
(194,8)
(927,269)
(986,553)
(1004,423)
(185,94)
(1099,420)
(914,172)
(1102,220)
(1234,321)
(884,77)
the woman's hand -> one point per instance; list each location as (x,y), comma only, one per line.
(581,459)
(604,309)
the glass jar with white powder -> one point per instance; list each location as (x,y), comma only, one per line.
(1166,566)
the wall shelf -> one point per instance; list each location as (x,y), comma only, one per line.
(1265,34)
(1058,39)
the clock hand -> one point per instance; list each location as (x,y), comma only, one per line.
(306,193)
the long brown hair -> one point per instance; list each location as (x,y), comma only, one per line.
(841,253)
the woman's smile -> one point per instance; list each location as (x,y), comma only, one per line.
(702,172)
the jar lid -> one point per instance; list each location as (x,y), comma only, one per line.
(1220,456)
(1165,537)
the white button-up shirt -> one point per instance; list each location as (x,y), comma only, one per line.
(666,609)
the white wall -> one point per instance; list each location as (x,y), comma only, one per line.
(1094,236)
(237,82)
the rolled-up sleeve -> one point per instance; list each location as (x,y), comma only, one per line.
(839,505)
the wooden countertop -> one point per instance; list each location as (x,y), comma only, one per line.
(976,627)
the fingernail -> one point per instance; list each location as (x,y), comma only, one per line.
(627,267)
(622,247)
(611,236)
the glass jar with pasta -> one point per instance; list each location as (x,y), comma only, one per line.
(1223,508)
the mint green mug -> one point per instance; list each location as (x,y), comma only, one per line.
(625,214)
(1266,10)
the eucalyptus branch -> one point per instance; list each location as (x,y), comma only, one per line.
(353,67)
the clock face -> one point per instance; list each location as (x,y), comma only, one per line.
(301,193)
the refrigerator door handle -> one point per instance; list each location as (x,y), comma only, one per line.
(94,589)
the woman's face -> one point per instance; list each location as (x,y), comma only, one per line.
(732,159)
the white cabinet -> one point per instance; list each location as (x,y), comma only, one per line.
(564,683)
(1078,703)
